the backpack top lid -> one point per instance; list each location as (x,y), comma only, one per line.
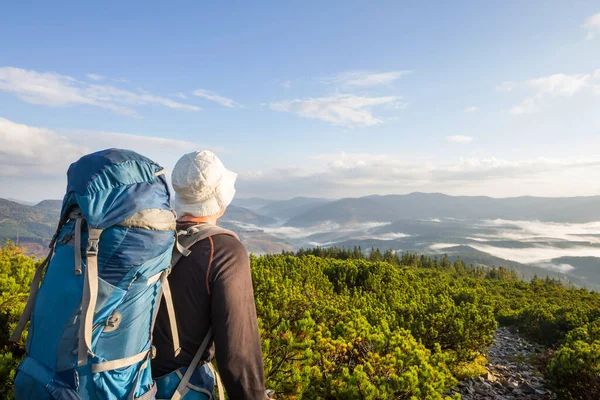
(113,184)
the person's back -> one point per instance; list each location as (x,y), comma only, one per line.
(211,288)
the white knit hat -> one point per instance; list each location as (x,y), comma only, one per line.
(203,186)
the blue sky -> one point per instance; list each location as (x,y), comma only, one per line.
(325,99)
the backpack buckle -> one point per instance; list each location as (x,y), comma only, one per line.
(92,249)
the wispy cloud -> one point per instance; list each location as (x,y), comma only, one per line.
(95,77)
(342,110)
(459,139)
(507,86)
(556,85)
(286,84)
(53,89)
(212,96)
(366,79)
(592,25)
(471,109)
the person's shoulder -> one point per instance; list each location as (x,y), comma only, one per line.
(228,243)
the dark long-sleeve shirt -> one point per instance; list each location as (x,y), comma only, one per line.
(214,286)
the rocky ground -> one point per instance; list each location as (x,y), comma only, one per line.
(510,374)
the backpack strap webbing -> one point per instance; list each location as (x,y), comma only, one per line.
(187,238)
(166,293)
(183,386)
(218,379)
(90,296)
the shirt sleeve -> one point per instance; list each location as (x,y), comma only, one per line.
(235,324)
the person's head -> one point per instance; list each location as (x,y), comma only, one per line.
(203,186)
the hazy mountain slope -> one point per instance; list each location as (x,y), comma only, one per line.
(344,211)
(585,267)
(253,203)
(286,209)
(241,214)
(423,206)
(52,206)
(27,203)
(27,222)
(257,241)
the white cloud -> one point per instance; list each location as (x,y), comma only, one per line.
(592,25)
(442,246)
(180,95)
(286,84)
(560,84)
(459,139)
(527,106)
(527,230)
(366,79)
(28,151)
(342,110)
(506,86)
(341,175)
(556,267)
(53,89)
(334,231)
(95,77)
(554,86)
(537,254)
(471,109)
(212,96)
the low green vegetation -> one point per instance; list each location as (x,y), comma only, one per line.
(336,324)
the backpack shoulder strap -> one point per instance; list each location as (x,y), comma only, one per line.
(184,240)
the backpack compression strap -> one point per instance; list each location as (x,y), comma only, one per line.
(35,284)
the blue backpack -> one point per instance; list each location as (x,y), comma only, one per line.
(93,315)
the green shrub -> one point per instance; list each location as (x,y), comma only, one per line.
(575,370)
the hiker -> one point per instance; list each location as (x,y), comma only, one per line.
(212,293)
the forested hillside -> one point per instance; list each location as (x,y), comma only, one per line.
(337,326)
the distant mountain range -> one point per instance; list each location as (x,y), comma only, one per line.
(422,206)
(558,237)
(33,226)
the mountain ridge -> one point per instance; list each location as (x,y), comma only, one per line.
(418,205)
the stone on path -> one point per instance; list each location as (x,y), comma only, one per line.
(509,376)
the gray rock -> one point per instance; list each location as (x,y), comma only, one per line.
(507,378)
